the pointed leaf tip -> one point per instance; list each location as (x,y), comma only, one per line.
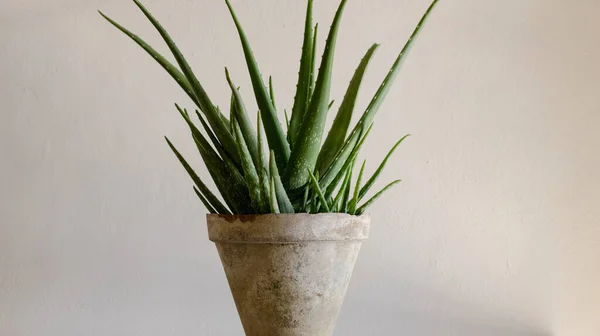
(337,133)
(275,135)
(305,150)
(373,178)
(368,203)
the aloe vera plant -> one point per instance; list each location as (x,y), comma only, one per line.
(298,171)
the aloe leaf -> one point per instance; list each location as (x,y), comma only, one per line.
(348,182)
(202,100)
(205,202)
(373,107)
(231,112)
(227,178)
(352,207)
(306,148)
(272,92)
(285,206)
(305,198)
(170,68)
(241,115)
(332,184)
(368,203)
(337,165)
(314,204)
(275,135)
(287,119)
(273,197)
(212,199)
(313,61)
(373,178)
(223,117)
(339,128)
(232,121)
(225,156)
(182,111)
(229,182)
(225,120)
(336,204)
(304,78)
(381,93)
(263,175)
(216,143)
(250,173)
(315,184)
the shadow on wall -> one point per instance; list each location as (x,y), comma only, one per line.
(393,321)
(408,309)
(421,324)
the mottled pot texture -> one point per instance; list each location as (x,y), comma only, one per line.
(288,273)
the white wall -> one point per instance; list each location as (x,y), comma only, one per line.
(494,231)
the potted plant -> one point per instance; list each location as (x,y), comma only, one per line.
(291,220)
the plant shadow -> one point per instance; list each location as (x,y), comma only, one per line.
(393,307)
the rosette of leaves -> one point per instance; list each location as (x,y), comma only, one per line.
(294,170)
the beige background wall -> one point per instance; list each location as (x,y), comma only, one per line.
(494,231)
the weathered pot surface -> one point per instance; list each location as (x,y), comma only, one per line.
(288,273)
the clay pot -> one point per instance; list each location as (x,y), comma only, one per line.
(288,273)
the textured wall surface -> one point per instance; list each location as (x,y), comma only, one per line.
(494,231)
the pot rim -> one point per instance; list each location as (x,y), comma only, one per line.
(287,228)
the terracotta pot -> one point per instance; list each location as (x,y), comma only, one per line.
(288,273)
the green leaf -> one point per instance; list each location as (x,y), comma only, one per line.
(389,79)
(216,143)
(273,197)
(339,128)
(231,112)
(223,118)
(205,202)
(272,92)
(226,176)
(275,136)
(371,181)
(212,199)
(368,203)
(369,114)
(241,115)
(170,68)
(263,175)
(336,205)
(313,63)
(352,208)
(314,204)
(250,173)
(302,96)
(330,185)
(346,197)
(305,198)
(225,156)
(315,184)
(285,206)
(229,181)
(287,119)
(214,117)
(306,148)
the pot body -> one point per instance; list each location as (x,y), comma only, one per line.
(288,273)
